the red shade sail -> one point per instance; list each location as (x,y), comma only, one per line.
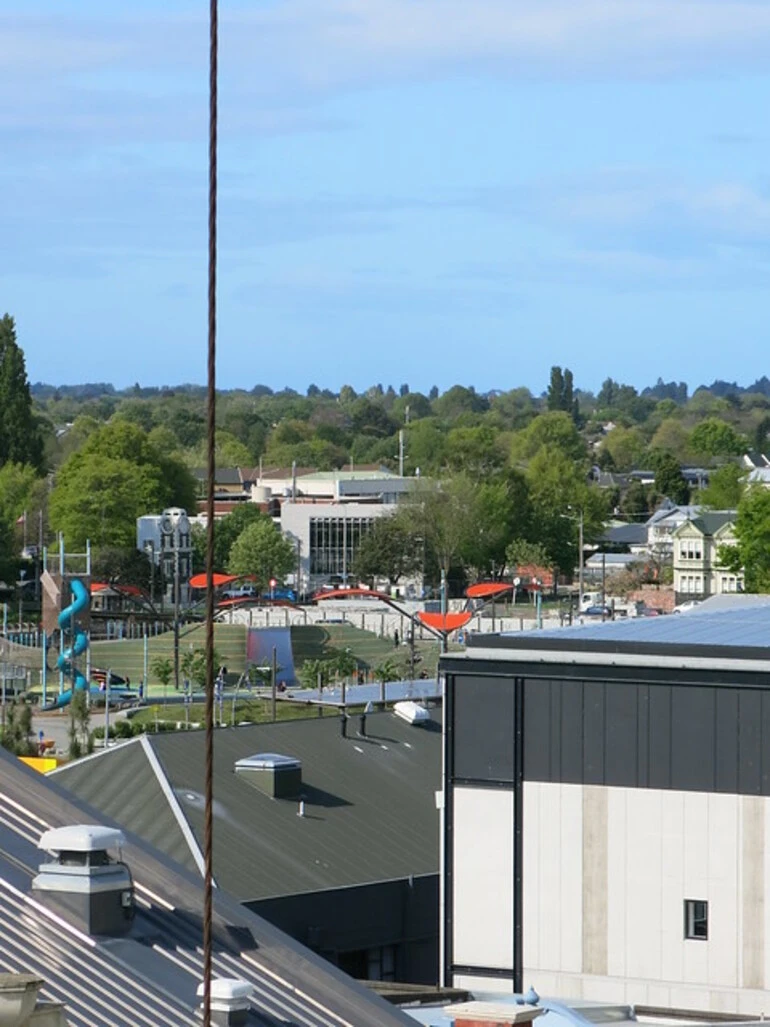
(444,621)
(484,589)
(345,593)
(199,580)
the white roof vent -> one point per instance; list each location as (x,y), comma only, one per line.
(411,712)
(81,838)
(229,1001)
(268,761)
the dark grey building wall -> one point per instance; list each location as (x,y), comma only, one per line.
(403,913)
(707,735)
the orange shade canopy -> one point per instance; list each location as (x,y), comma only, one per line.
(484,589)
(199,580)
(444,621)
(345,593)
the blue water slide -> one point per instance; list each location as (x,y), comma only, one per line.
(78,643)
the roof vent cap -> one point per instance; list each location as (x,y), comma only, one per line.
(268,761)
(81,838)
(412,712)
(229,1001)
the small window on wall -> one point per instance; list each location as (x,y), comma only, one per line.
(696,919)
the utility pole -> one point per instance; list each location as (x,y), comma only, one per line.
(176,607)
(444,633)
(401,453)
(580,560)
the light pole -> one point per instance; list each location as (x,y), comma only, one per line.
(580,554)
(149,548)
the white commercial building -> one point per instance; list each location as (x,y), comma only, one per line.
(606,812)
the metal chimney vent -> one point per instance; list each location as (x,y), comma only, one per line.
(85,882)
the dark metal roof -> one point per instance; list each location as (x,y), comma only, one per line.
(625,534)
(370,810)
(150,977)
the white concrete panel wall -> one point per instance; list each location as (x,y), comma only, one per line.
(662,847)
(553,865)
(482,867)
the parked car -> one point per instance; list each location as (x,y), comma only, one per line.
(597,611)
(241,592)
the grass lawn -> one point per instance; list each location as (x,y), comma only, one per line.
(318,641)
(126,656)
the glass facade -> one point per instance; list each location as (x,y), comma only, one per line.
(334,542)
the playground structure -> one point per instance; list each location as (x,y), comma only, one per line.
(69,625)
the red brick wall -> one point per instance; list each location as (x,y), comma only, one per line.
(657,598)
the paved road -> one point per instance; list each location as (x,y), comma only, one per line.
(55,725)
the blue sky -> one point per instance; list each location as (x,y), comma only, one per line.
(421,191)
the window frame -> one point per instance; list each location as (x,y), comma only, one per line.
(696,920)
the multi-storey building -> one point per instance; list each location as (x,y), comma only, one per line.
(699,571)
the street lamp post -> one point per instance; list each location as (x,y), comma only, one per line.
(580,561)
(580,554)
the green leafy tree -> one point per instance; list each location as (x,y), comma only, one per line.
(163,669)
(18,491)
(193,666)
(389,670)
(712,438)
(20,440)
(262,551)
(114,478)
(561,392)
(554,429)
(669,480)
(441,515)
(501,510)
(457,401)
(523,553)
(626,447)
(426,446)
(477,451)
(226,531)
(388,550)
(17,735)
(752,531)
(725,488)
(673,438)
(559,491)
(80,734)
(635,503)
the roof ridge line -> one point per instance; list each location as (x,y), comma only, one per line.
(174,804)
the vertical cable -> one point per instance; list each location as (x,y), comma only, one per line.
(211,432)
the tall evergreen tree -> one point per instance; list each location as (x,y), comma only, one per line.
(19,438)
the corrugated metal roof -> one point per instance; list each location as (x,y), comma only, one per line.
(150,978)
(356,790)
(143,808)
(747,626)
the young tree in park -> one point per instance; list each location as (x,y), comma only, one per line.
(20,439)
(262,551)
(163,669)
